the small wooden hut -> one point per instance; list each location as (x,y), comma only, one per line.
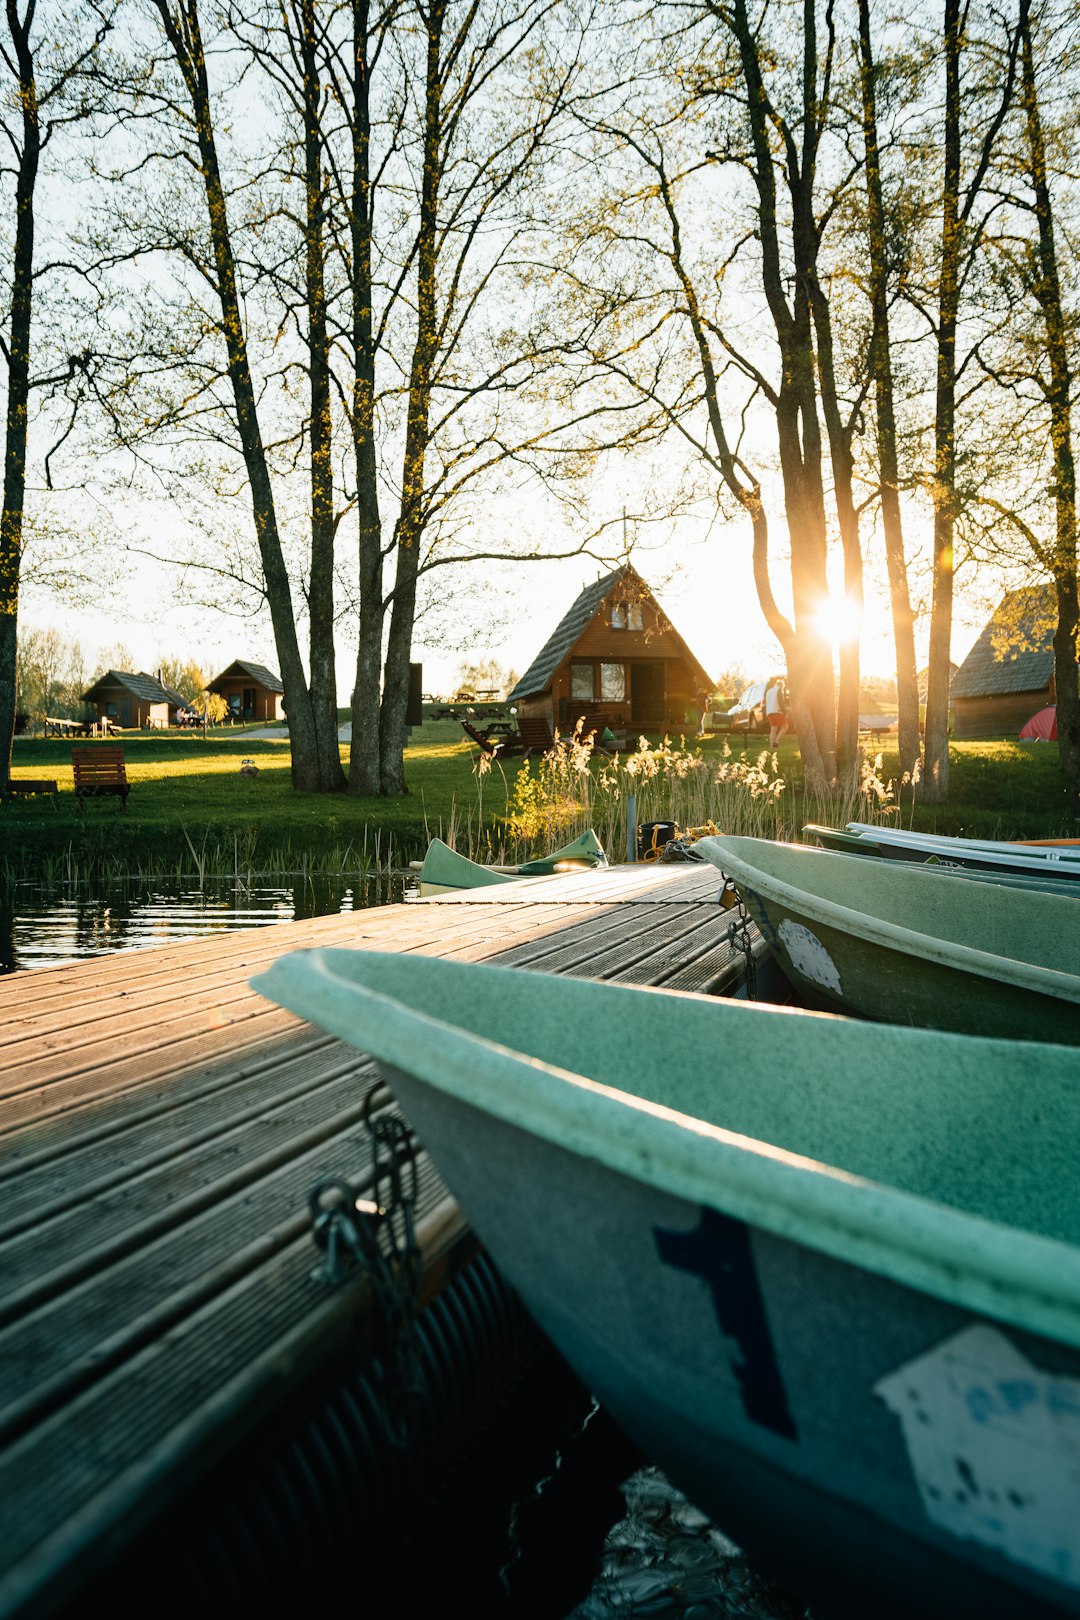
(252,691)
(1009,672)
(132,700)
(614,655)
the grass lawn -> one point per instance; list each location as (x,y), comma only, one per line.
(190,807)
(189,803)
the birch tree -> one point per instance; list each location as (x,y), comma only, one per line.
(733,123)
(316,765)
(880,292)
(47,59)
(979,82)
(1057,381)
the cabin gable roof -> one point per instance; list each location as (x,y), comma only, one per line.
(572,626)
(256,672)
(145,687)
(569,630)
(1027,616)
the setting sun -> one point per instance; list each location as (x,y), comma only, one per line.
(839,620)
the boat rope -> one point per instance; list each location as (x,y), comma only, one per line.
(680,847)
(375,1237)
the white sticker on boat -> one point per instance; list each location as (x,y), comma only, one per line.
(809,956)
(994,1445)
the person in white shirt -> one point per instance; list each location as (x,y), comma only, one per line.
(776,711)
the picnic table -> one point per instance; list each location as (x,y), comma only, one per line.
(56,727)
(458,710)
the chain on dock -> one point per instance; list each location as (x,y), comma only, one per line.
(739,933)
(376,1237)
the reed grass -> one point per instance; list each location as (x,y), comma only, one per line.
(209,861)
(572,787)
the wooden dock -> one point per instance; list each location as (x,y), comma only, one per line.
(161,1126)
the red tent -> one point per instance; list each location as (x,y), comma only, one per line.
(1042,727)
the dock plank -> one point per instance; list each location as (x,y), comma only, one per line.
(160,1128)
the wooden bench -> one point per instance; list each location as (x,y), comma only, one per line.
(536,736)
(23,786)
(98,772)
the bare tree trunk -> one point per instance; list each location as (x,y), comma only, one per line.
(183,31)
(364,749)
(810,666)
(18,357)
(322,664)
(747,492)
(410,524)
(955,216)
(934,786)
(847,717)
(1047,290)
(907,681)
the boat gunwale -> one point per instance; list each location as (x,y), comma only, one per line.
(1018,881)
(1028,857)
(1024,1278)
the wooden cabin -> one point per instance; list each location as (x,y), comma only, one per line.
(252,691)
(614,655)
(1009,672)
(132,700)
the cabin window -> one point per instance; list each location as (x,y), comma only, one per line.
(634,617)
(583,681)
(618,616)
(612,683)
(111,711)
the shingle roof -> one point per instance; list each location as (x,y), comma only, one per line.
(1026,618)
(538,676)
(257,672)
(141,686)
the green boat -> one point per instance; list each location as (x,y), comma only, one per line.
(444,871)
(855,843)
(827,1273)
(910,946)
(841,842)
(1059,862)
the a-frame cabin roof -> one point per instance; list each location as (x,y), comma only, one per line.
(257,672)
(572,626)
(146,687)
(1027,619)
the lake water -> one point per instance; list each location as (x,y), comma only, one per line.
(647,1552)
(68,922)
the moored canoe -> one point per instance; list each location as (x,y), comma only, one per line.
(444,871)
(851,843)
(1057,861)
(906,945)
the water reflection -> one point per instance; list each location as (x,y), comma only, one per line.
(40,925)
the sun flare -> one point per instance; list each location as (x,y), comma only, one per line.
(839,620)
